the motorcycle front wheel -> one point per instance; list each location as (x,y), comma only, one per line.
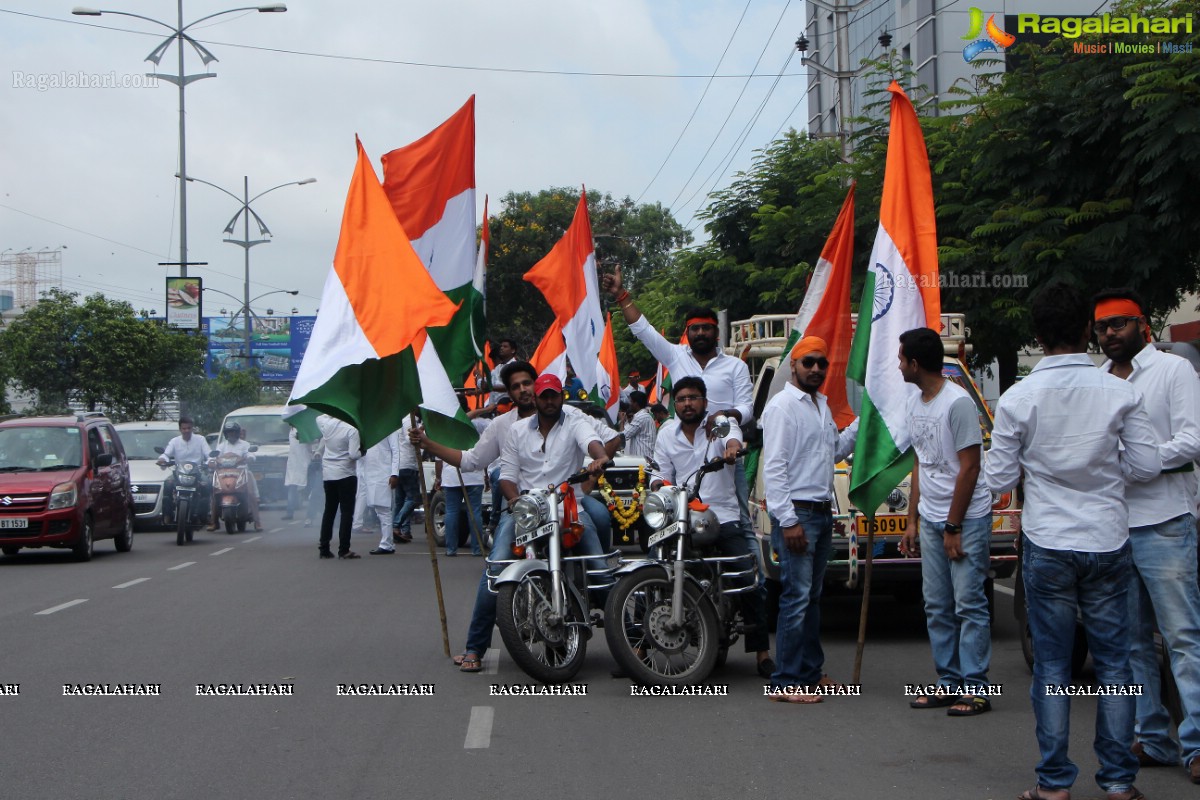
(644,641)
(547,649)
(181,522)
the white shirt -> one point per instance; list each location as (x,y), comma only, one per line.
(497,384)
(470,477)
(241,447)
(1064,425)
(300,455)
(533,462)
(342,448)
(801,445)
(640,433)
(491,442)
(726,379)
(407,458)
(379,464)
(1171,392)
(679,458)
(940,429)
(191,451)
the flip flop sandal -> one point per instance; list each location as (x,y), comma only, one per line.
(471,663)
(1036,794)
(934,701)
(800,698)
(977,705)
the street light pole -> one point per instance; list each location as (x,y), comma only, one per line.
(178,33)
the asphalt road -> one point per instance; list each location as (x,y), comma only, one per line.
(263,609)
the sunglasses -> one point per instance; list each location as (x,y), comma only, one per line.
(808,362)
(1112,324)
(687,398)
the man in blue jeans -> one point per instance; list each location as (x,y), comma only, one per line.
(406,489)
(1077,434)
(1162,530)
(951,512)
(801,445)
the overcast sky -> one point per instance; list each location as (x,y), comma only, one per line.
(92,169)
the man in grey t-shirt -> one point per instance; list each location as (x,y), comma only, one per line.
(949,526)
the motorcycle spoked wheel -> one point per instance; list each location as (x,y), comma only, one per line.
(637,625)
(182,532)
(548,650)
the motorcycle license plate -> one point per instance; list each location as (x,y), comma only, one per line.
(890,524)
(15,522)
(674,529)
(144,498)
(533,535)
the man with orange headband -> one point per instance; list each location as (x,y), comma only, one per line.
(801,445)
(1162,530)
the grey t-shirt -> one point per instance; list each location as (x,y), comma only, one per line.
(940,429)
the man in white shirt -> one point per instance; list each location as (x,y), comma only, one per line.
(1077,434)
(231,441)
(1162,529)
(185,448)
(683,447)
(377,470)
(504,354)
(801,445)
(631,387)
(640,430)
(462,491)
(407,488)
(339,474)
(950,510)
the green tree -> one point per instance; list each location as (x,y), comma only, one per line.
(208,400)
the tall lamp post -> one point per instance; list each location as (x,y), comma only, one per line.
(246,309)
(179,32)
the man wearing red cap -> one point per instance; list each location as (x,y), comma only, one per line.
(1162,530)
(801,444)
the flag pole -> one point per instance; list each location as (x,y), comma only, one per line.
(437,575)
(866,604)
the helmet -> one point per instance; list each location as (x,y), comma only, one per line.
(233,427)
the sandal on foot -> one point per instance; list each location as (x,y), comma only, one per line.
(976,705)
(470,663)
(1033,794)
(1135,794)
(934,701)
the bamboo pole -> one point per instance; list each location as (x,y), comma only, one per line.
(866,604)
(437,575)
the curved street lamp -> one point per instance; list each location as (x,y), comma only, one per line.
(247,311)
(179,32)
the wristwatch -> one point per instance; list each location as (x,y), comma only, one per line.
(951,529)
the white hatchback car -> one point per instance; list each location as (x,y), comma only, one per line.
(146,478)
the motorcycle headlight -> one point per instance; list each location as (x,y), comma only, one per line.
(530,511)
(62,496)
(659,510)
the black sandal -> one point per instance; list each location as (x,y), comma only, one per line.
(976,705)
(934,701)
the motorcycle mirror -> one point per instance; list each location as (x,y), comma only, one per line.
(214,453)
(253,448)
(159,450)
(721,426)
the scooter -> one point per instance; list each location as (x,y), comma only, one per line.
(231,488)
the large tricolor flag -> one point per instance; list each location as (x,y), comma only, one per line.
(431,186)
(369,361)
(567,278)
(825,312)
(608,388)
(901,293)
(551,354)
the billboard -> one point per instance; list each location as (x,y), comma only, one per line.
(277,344)
(183,302)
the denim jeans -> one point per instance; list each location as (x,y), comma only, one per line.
(799,659)
(483,617)
(731,541)
(956,607)
(1058,585)
(407,494)
(454,501)
(293,498)
(1163,587)
(497,497)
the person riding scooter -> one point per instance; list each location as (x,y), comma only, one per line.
(231,441)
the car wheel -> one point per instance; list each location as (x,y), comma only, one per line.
(10,550)
(84,548)
(124,539)
(437,505)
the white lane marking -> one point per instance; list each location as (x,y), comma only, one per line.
(77,602)
(273,530)
(491,661)
(181,566)
(479,729)
(252,539)
(133,582)
(1004,590)
(219,552)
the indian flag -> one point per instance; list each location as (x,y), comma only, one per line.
(431,186)
(369,361)
(825,312)
(901,293)
(567,278)
(550,358)
(608,388)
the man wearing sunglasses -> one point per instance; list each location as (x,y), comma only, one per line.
(1162,529)
(801,445)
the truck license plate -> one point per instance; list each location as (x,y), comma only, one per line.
(886,524)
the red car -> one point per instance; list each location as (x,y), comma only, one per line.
(64,482)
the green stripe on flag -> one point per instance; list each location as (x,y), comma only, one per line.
(457,343)
(856,366)
(878,467)
(305,423)
(456,431)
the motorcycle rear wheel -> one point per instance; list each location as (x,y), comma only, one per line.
(637,627)
(546,651)
(182,512)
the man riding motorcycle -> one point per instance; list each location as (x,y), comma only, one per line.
(231,441)
(185,448)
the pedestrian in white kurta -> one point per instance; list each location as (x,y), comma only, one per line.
(377,477)
(295,477)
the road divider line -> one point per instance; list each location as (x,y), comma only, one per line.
(479,729)
(133,582)
(274,530)
(1004,590)
(491,661)
(181,566)
(219,552)
(77,602)
(252,539)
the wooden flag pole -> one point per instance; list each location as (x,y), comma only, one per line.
(437,575)
(866,604)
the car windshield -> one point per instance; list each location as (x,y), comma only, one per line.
(27,448)
(262,429)
(140,444)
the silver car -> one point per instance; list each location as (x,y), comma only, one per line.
(146,478)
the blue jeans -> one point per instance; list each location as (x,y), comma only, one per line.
(406,495)
(732,542)
(598,512)
(454,501)
(293,498)
(497,497)
(956,607)
(1163,586)
(1059,584)
(483,617)
(799,659)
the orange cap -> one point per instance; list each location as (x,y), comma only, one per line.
(809,344)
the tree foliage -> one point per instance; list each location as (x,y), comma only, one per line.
(208,400)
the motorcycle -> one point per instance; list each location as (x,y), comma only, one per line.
(671,618)
(543,608)
(190,508)
(231,487)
